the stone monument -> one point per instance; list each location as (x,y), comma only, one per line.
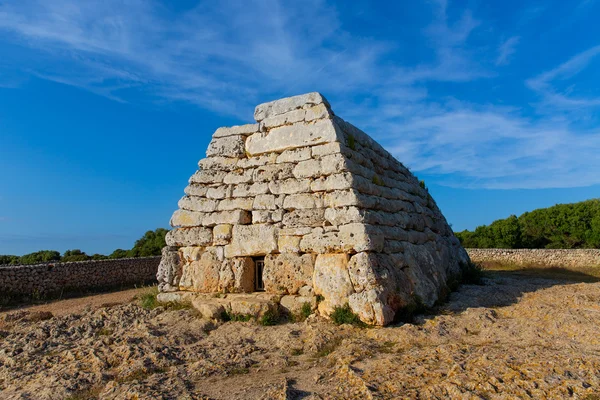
(305,206)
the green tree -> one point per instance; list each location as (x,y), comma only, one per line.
(506,233)
(119,253)
(150,244)
(39,257)
(74,255)
(9,260)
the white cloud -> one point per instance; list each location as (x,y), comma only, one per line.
(507,49)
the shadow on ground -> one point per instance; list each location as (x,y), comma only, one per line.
(504,286)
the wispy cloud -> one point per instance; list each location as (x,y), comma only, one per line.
(228,56)
(507,49)
(547,83)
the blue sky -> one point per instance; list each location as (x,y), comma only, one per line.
(106,107)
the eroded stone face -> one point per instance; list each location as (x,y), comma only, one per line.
(326,209)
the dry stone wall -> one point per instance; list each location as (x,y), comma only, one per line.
(330,210)
(571,258)
(28,280)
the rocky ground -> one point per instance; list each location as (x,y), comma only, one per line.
(517,336)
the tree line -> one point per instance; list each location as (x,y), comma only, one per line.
(563,226)
(148,245)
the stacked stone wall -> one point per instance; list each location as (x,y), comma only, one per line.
(333,213)
(571,258)
(41,279)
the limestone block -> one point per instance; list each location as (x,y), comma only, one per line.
(295,231)
(238,203)
(292,136)
(197,236)
(235,217)
(218,163)
(325,149)
(243,130)
(299,218)
(202,275)
(238,176)
(228,146)
(267,216)
(302,201)
(362,237)
(294,155)
(333,163)
(273,172)
(219,192)
(293,304)
(169,270)
(288,104)
(265,202)
(330,183)
(290,186)
(317,112)
(252,240)
(187,218)
(190,253)
(207,176)
(332,281)
(307,169)
(226,278)
(286,273)
(341,198)
(243,272)
(196,190)
(283,119)
(194,203)
(344,215)
(210,309)
(250,190)
(257,161)
(251,305)
(222,234)
(371,307)
(288,244)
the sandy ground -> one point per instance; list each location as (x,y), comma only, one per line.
(79,304)
(518,336)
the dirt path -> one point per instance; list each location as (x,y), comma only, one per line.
(79,304)
(514,337)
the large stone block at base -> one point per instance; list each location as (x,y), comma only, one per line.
(286,273)
(332,281)
(252,240)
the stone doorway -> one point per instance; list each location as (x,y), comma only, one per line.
(259,266)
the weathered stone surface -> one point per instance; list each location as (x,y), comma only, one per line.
(229,146)
(288,104)
(207,176)
(294,155)
(244,130)
(332,281)
(291,137)
(202,275)
(222,234)
(240,203)
(235,217)
(286,273)
(266,216)
(302,201)
(218,163)
(250,190)
(288,243)
(293,304)
(195,203)
(283,119)
(252,240)
(196,236)
(290,186)
(238,176)
(298,218)
(273,172)
(169,270)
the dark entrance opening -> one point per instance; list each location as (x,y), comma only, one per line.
(259,266)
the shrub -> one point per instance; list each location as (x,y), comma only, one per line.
(271,317)
(227,316)
(345,315)
(377,180)
(306,310)
(351,142)
(149,300)
(472,273)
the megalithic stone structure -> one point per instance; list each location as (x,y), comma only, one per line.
(306,205)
